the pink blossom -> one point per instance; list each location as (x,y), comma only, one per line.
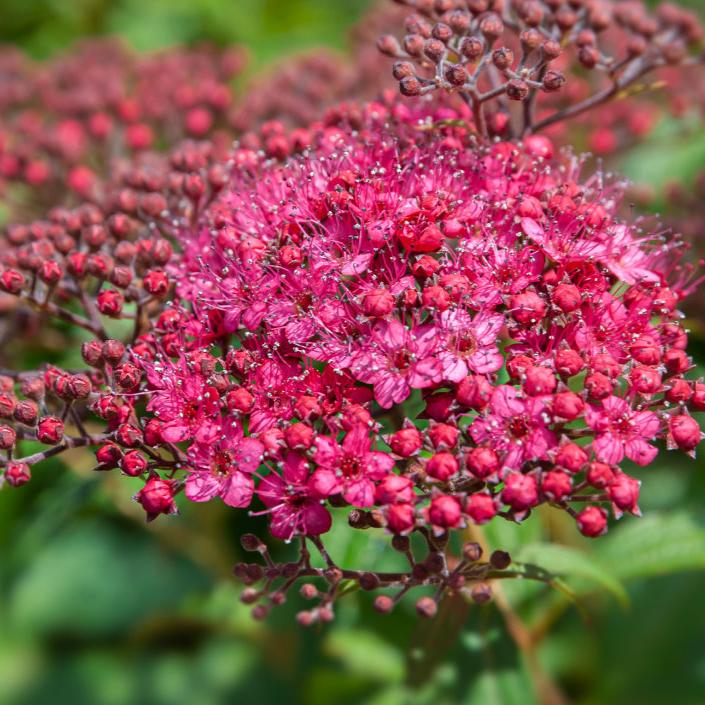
(350,468)
(396,360)
(223,468)
(516,426)
(294,504)
(621,431)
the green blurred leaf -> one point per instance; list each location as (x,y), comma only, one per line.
(94,579)
(366,654)
(657,545)
(572,563)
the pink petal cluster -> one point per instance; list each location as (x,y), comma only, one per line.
(411,324)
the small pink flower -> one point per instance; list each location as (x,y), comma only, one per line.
(471,344)
(223,468)
(621,431)
(396,360)
(515,425)
(294,504)
(351,468)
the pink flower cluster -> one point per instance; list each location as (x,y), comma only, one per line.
(405,321)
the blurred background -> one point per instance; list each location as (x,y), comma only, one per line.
(98,608)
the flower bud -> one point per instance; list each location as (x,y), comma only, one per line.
(377,303)
(8,437)
(442,466)
(17,474)
(157,497)
(481,508)
(482,462)
(592,521)
(299,436)
(400,518)
(567,405)
(539,381)
(520,491)
(406,442)
(444,512)
(133,463)
(50,430)
(685,432)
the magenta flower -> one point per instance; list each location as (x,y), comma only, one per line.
(621,431)
(184,403)
(350,468)
(294,504)
(516,426)
(471,344)
(396,360)
(223,468)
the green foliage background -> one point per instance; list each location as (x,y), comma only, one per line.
(98,609)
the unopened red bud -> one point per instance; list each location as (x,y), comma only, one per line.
(482,462)
(26,412)
(481,593)
(383,604)
(12,281)
(500,560)
(527,308)
(551,50)
(592,521)
(442,466)
(567,297)
(157,497)
(517,89)
(434,49)
(414,44)
(426,607)
(128,435)
(410,86)
(133,463)
(378,303)
(17,474)
(442,32)
(50,430)
(50,272)
(472,48)
(503,58)
(110,303)
(113,351)
(156,283)
(456,75)
(685,432)
(539,381)
(299,436)
(589,57)
(491,27)
(567,405)
(8,437)
(676,361)
(388,45)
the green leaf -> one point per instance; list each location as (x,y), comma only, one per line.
(657,545)
(365,654)
(571,564)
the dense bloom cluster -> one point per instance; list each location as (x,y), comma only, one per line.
(431,332)
(380,317)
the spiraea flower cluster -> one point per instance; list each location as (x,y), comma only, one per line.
(68,123)
(499,54)
(382,319)
(429,332)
